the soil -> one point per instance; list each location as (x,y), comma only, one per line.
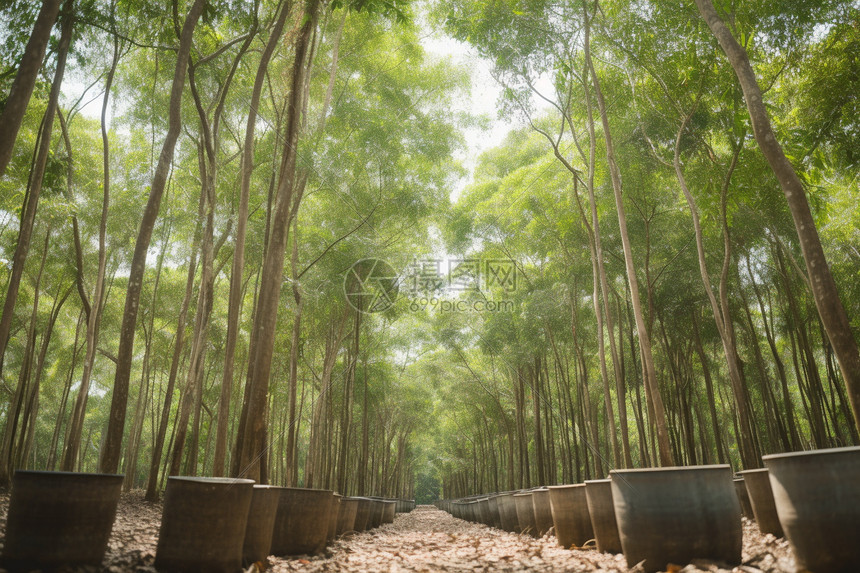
(426,539)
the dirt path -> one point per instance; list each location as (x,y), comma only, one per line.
(431,540)
(424,540)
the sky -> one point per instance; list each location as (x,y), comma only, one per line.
(482,101)
(483,97)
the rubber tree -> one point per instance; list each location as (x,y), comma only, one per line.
(652,387)
(238,263)
(37,175)
(252,435)
(827,301)
(720,310)
(94,305)
(24,82)
(112,450)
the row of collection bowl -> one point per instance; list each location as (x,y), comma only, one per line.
(207,524)
(575,514)
(658,516)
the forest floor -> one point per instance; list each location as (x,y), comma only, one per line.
(424,540)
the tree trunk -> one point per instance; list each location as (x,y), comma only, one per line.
(788,404)
(318,445)
(292,432)
(651,383)
(833,383)
(130,467)
(13,413)
(24,82)
(28,420)
(827,301)
(209,171)
(113,441)
(252,448)
(51,463)
(140,407)
(522,441)
(721,313)
(773,420)
(604,289)
(178,344)
(709,388)
(803,372)
(534,378)
(37,175)
(365,440)
(598,315)
(203,312)
(346,416)
(93,308)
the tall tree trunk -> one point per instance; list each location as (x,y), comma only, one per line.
(252,449)
(193,446)
(346,415)
(292,432)
(800,356)
(141,404)
(93,308)
(37,175)
(24,82)
(830,309)
(575,409)
(773,419)
(28,420)
(534,378)
(318,445)
(7,452)
(651,383)
(365,440)
(562,391)
(721,313)
(649,409)
(209,170)
(709,388)
(113,441)
(178,344)
(788,404)
(604,287)
(833,383)
(140,407)
(598,314)
(523,466)
(203,312)
(549,411)
(51,462)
